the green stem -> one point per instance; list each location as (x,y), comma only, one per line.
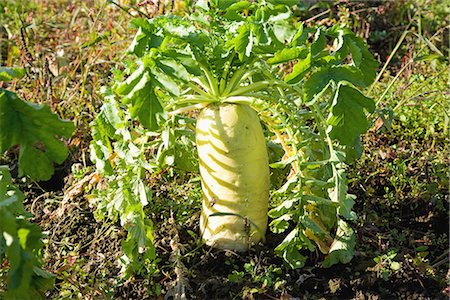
(223,80)
(259,96)
(320,120)
(198,90)
(188,108)
(254,87)
(191,99)
(241,100)
(212,81)
(235,79)
(202,83)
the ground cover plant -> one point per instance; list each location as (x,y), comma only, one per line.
(128,225)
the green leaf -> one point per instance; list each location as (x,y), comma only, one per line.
(320,79)
(139,93)
(233,12)
(299,70)
(312,225)
(362,58)
(36,129)
(243,42)
(280,224)
(320,41)
(301,35)
(289,250)
(282,209)
(348,118)
(356,52)
(354,150)
(8,74)
(283,30)
(20,240)
(139,43)
(339,194)
(342,248)
(146,107)
(104,128)
(173,69)
(186,59)
(185,158)
(284,2)
(166,82)
(288,54)
(125,87)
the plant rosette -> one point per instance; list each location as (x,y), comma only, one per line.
(259,77)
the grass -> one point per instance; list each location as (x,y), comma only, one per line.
(70,51)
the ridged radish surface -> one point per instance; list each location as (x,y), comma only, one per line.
(234,168)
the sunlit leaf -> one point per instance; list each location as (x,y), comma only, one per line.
(348,114)
(36,129)
(342,249)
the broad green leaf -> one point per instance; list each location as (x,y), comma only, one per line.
(148,36)
(320,79)
(261,34)
(243,42)
(185,158)
(289,250)
(293,257)
(138,91)
(342,248)
(20,241)
(186,59)
(339,194)
(348,118)
(288,54)
(104,129)
(8,74)
(280,224)
(165,81)
(221,4)
(233,12)
(142,23)
(320,41)
(354,150)
(109,120)
(284,2)
(11,197)
(312,225)
(145,107)
(356,53)
(283,30)
(362,58)
(301,36)
(139,43)
(173,69)
(299,70)
(36,129)
(282,209)
(127,86)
